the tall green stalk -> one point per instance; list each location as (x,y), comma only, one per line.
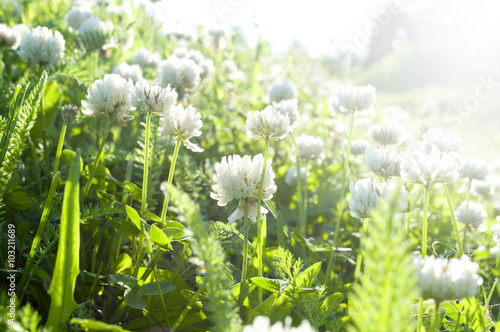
(60,146)
(454,219)
(245,247)
(360,254)
(300,203)
(96,163)
(435,319)
(260,231)
(170,179)
(305,199)
(424,251)
(466,221)
(146,167)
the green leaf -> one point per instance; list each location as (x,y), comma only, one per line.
(174,233)
(95,326)
(18,200)
(272,285)
(122,280)
(157,236)
(134,300)
(306,278)
(124,261)
(332,302)
(151,288)
(134,216)
(276,306)
(125,226)
(67,158)
(136,192)
(67,263)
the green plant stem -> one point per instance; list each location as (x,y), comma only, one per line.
(96,163)
(260,230)
(305,198)
(245,248)
(60,146)
(454,219)
(466,221)
(420,314)
(187,308)
(424,226)
(435,319)
(300,204)
(360,254)
(146,166)
(170,179)
(331,259)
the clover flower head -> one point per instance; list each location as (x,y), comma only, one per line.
(9,37)
(358,146)
(127,71)
(474,169)
(70,113)
(145,58)
(263,324)
(153,98)
(111,96)
(218,34)
(282,90)
(42,46)
(182,74)
(239,178)
(182,124)
(442,279)
(475,216)
(92,25)
(290,108)
(385,134)
(291,175)
(419,165)
(77,15)
(443,140)
(311,148)
(353,99)
(230,69)
(496,230)
(483,187)
(206,65)
(383,162)
(268,124)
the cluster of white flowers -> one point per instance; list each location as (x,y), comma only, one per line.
(366,193)
(268,124)
(263,324)
(218,34)
(152,98)
(290,108)
(77,15)
(442,279)
(206,65)
(182,124)
(310,148)
(429,165)
(9,37)
(282,90)
(358,146)
(93,32)
(474,169)
(42,47)
(111,96)
(145,58)
(127,71)
(385,134)
(443,140)
(383,162)
(484,188)
(239,178)
(496,230)
(476,214)
(181,74)
(353,99)
(291,175)
(230,69)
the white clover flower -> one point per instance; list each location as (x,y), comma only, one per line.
(110,96)
(263,324)
(182,124)
(366,193)
(145,58)
(311,148)
(352,99)
(42,46)
(291,175)
(206,65)
(9,37)
(77,15)
(385,134)
(444,140)
(383,162)
(483,188)
(152,98)
(476,214)
(93,32)
(218,34)
(428,167)
(239,178)
(268,124)
(282,90)
(230,69)
(127,71)
(442,279)
(181,74)
(496,230)
(22,29)
(288,107)
(358,146)
(474,169)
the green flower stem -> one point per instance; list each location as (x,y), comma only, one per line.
(360,254)
(187,308)
(146,167)
(300,204)
(435,319)
(245,247)
(261,232)
(466,221)
(60,146)
(305,198)
(331,259)
(424,226)
(420,311)
(454,219)
(170,179)
(96,163)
